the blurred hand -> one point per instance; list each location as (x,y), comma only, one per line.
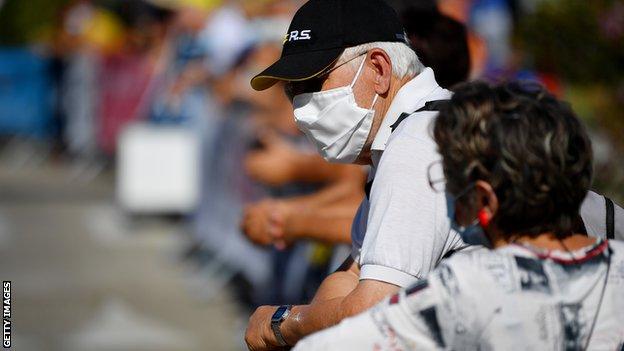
(264,223)
(275,164)
(259,335)
(191,76)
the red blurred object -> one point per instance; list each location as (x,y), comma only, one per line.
(124,85)
(484,218)
(552,83)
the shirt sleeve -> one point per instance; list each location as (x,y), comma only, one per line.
(407,231)
(358,229)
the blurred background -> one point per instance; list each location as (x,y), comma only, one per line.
(149,200)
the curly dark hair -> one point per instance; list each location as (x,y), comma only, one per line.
(527,144)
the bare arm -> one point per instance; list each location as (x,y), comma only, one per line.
(331,224)
(278,163)
(324,216)
(348,183)
(341,295)
(313,168)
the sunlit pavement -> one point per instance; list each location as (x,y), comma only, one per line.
(86,277)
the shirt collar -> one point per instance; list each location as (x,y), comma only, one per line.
(408,99)
(584,254)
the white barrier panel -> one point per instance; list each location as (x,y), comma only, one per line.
(158,169)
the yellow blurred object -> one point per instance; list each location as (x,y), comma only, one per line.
(204,5)
(104,31)
(321,254)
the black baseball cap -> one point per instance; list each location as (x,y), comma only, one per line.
(322,29)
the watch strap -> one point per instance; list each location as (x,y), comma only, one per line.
(276,323)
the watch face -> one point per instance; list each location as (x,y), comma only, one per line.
(277,316)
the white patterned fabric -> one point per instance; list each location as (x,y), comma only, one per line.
(512,298)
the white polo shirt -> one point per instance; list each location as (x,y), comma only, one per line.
(402,231)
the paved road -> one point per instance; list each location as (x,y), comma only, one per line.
(85,278)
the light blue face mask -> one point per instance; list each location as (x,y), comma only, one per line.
(472,234)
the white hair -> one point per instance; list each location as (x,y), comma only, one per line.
(405,62)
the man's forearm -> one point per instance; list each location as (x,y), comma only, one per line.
(331,194)
(340,296)
(312,168)
(307,319)
(330,225)
(324,310)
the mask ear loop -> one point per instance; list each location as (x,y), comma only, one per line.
(374,101)
(357,75)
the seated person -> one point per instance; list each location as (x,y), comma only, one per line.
(517,164)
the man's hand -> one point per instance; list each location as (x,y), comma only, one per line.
(264,222)
(259,335)
(275,164)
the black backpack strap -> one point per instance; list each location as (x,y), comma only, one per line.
(610,218)
(367,188)
(449,254)
(431,106)
(579,225)
(434,105)
(402,117)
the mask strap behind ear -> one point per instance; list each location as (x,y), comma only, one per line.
(374,101)
(355,80)
(358,73)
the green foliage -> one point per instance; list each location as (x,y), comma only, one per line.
(570,38)
(582,42)
(25,21)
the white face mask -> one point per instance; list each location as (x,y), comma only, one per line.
(334,122)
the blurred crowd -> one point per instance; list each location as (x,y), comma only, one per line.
(273,218)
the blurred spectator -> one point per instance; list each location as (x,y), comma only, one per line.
(492,21)
(120,53)
(227,133)
(439,41)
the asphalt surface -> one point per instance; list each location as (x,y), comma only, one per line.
(87,277)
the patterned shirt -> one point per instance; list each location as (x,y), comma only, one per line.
(513,298)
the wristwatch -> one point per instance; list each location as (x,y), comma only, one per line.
(276,321)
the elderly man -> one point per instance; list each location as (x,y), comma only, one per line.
(352,77)
(353,82)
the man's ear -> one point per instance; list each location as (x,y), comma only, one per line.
(382,68)
(486,198)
